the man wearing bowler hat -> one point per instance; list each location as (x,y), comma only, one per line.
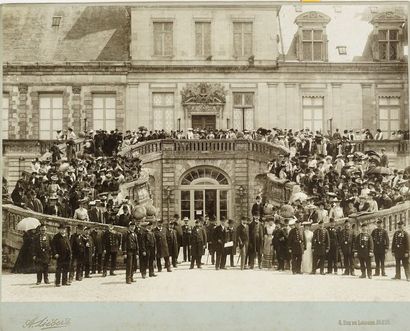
(400,249)
(381,246)
(363,249)
(186,234)
(62,253)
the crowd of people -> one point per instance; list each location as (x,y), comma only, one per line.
(332,181)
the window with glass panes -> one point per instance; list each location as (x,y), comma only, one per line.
(389,115)
(242,39)
(223,204)
(163,38)
(243,109)
(312,44)
(5,116)
(388,44)
(313,112)
(186,204)
(51,115)
(163,110)
(104,112)
(202,38)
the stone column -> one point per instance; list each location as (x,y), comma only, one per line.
(273,105)
(22,111)
(292,114)
(335,109)
(131,111)
(369,116)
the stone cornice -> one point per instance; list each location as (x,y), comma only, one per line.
(124,68)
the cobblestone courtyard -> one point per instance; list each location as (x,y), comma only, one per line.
(207,284)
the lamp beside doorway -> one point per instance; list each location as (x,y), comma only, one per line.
(168,191)
(242,192)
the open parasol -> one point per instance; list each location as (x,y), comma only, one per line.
(27,223)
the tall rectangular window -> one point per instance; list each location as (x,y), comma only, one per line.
(242,39)
(389,115)
(163,110)
(5,116)
(313,112)
(104,111)
(243,110)
(186,204)
(202,38)
(388,44)
(312,44)
(163,38)
(51,115)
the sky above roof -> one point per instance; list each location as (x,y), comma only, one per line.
(349,26)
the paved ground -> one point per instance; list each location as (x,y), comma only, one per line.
(207,284)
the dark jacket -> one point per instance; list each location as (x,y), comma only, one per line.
(296,242)
(380,240)
(242,234)
(197,240)
(320,242)
(400,243)
(257,210)
(220,237)
(161,242)
(363,245)
(42,248)
(98,241)
(111,241)
(129,243)
(77,246)
(186,233)
(255,237)
(61,246)
(346,241)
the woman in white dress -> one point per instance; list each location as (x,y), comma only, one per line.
(267,244)
(307,257)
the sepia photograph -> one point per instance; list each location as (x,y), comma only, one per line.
(205,152)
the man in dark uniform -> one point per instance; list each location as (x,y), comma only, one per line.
(162,246)
(198,242)
(280,244)
(130,252)
(296,247)
(140,229)
(111,244)
(78,250)
(220,240)
(242,236)
(257,208)
(346,240)
(210,228)
(172,238)
(148,251)
(400,249)
(186,234)
(333,247)
(363,249)
(381,246)
(320,247)
(255,242)
(62,253)
(42,254)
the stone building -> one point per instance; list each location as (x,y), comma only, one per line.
(216,65)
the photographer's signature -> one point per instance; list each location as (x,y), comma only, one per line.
(45,323)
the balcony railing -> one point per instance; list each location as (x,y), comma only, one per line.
(393,146)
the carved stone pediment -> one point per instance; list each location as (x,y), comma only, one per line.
(312,17)
(388,17)
(203,98)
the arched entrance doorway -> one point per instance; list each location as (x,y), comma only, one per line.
(205,190)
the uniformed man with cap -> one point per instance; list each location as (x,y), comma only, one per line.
(346,240)
(320,247)
(381,246)
(89,251)
(111,244)
(162,246)
(363,249)
(148,251)
(130,252)
(400,249)
(333,247)
(78,252)
(296,246)
(41,249)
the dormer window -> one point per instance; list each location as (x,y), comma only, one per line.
(387,36)
(311,36)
